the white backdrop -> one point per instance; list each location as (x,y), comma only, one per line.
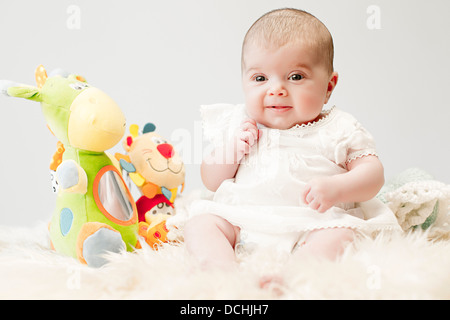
(160,60)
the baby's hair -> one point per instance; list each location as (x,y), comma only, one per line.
(282,26)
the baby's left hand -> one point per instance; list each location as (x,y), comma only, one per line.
(321,194)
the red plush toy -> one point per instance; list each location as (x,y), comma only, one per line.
(153,213)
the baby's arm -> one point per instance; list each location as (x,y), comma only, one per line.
(361,183)
(223,163)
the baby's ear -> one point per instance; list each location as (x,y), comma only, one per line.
(331,85)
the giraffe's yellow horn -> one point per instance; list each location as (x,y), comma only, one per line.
(41,76)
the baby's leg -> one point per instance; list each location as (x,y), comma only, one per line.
(326,243)
(211,239)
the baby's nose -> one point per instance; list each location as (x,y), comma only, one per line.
(277,91)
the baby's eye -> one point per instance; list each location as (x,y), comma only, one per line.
(296,77)
(260,78)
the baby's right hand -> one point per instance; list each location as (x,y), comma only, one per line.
(246,137)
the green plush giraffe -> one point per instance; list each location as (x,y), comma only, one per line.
(95,213)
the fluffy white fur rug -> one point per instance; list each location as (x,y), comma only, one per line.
(407,266)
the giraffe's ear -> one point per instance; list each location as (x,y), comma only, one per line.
(6,84)
(20,91)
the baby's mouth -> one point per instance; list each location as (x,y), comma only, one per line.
(279,108)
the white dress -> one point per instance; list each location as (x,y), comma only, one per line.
(264,197)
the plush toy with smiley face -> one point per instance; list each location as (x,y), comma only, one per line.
(158,171)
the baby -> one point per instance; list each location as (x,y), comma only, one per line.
(294,176)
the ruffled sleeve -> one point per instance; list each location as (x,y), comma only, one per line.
(353,141)
(220,121)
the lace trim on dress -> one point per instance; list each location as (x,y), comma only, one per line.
(326,115)
(360,155)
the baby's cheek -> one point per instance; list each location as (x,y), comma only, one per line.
(312,99)
(254,99)
(254,108)
(309,106)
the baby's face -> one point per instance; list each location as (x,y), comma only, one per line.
(285,86)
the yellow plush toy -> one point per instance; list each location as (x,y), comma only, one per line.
(158,171)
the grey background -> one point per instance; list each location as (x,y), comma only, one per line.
(160,60)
